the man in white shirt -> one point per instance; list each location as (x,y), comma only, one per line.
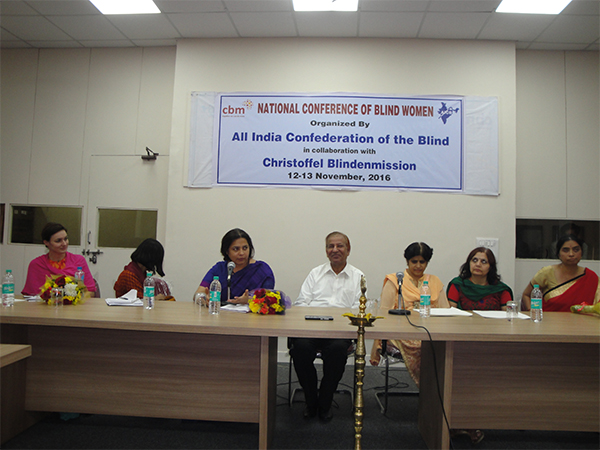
(336,283)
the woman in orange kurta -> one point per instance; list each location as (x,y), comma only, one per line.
(418,255)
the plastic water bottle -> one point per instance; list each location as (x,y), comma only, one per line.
(79,274)
(536,304)
(149,291)
(425,302)
(214,304)
(8,289)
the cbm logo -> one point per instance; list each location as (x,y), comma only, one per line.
(233,111)
(446,112)
(240,111)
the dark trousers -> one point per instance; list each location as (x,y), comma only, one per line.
(334,353)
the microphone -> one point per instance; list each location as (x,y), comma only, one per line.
(401,311)
(400,277)
(230,267)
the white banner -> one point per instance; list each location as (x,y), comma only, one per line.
(201,142)
(346,141)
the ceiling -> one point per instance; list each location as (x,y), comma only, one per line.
(77,23)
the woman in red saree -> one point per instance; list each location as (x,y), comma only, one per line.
(567,283)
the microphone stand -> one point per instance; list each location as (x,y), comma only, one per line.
(228,283)
(400,311)
(229,272)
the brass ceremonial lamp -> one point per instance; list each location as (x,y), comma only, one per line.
(361,321)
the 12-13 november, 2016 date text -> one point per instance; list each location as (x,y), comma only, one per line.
(331,176)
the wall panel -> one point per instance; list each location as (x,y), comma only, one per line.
(18,87)
(114,93)
(541,135)
(156,100)
(60,104)
(583,146)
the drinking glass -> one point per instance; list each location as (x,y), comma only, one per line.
(201,303)
(518,301)
(56,296)
(372,306)
(511,311)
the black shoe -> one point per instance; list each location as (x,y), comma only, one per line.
(325,415)
(310,412)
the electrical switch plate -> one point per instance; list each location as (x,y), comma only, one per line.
(491,243)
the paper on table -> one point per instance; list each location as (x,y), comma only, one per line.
(243,308)
(129,299)
(447,312)
(499,315)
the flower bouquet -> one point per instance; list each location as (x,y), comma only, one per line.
(265,301)
(74,291)
(584,308)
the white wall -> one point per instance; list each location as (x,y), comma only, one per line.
(57,105)
(18,89)
(558,141)
(558,161)
(288,226)
(61,108)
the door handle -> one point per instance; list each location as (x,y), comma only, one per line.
(94,255)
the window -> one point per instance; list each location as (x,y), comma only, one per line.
(125,228)
(28,222)
(536,238)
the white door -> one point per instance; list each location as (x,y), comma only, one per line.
(121,182)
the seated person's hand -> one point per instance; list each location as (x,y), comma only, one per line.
(243,299)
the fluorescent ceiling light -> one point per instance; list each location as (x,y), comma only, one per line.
(126,6)
(532,6)
(325,5)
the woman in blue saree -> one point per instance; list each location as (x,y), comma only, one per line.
(248,274)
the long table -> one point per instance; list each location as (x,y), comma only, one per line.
(14,418)
(172,362)
(493,374)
